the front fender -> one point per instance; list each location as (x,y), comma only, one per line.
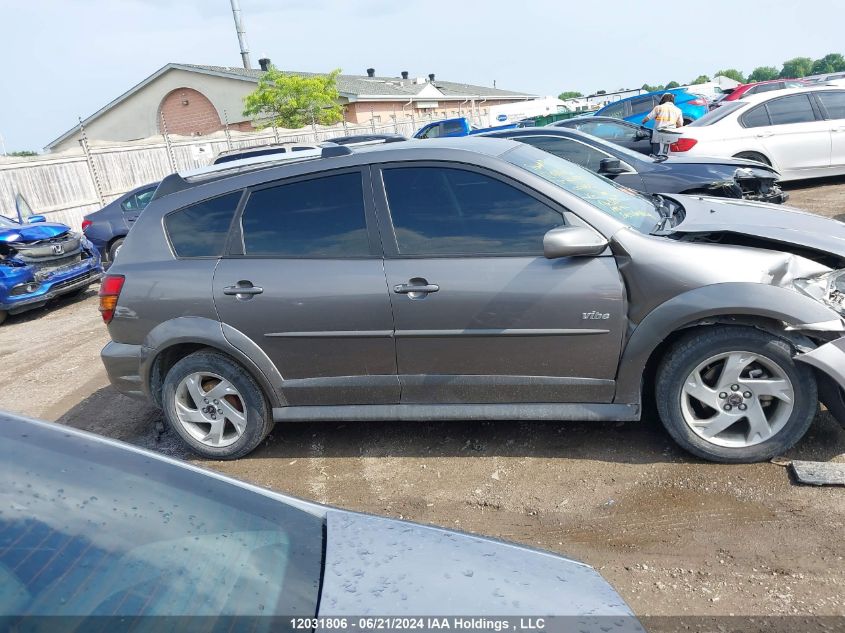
(210,333)
(716,300)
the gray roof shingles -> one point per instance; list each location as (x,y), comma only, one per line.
(361,85)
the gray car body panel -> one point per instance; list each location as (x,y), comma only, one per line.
(394,567)
(390,568)
(652,285)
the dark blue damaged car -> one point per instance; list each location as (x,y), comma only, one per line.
(97,535)
(40,261)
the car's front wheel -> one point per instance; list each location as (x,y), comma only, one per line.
(215,406)
(3,315)
(734,394)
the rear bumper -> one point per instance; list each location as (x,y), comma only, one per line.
(123,366)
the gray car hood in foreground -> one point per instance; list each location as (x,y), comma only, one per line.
(760,219)
(391,568)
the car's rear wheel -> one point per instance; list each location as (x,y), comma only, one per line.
(114,248)
(215,406)
(754,156)
(734,394)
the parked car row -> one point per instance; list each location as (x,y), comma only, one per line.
(798,131)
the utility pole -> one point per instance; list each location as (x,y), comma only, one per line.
(239,27)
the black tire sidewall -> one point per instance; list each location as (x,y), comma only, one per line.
(114,246)
(691,350)
(259,422)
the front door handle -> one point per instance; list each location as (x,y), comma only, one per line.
(406,289)
(243,290)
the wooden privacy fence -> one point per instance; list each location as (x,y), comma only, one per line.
(66,186)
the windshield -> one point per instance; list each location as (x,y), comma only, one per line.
(6,223)
(619,202)
(717,114)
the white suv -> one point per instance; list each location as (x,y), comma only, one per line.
(800,132)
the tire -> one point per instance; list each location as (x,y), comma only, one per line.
(114,247)
(242,418)
(754,156)
(3,315)
(761,362)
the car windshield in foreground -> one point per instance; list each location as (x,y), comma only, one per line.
(717,114)
(616,201)
(91,529)
(6,223)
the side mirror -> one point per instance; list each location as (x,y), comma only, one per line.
(641,134)
(35,219)
(572,241)
(611,167)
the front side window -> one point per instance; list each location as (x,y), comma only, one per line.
(432,132)
(834,103)
(617,201)
(321,217)
(570,149)
(447,211)
(200,230)
(793,109)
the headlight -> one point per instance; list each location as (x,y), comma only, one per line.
(829,288)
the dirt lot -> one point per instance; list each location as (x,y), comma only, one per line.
(673,534)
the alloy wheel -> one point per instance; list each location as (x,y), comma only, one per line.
(737,399)
(210,409)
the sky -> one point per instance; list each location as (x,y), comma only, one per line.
(65,59)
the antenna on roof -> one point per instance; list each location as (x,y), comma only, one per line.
(239,27)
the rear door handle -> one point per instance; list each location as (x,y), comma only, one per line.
(243,288)
(404,289)
(763,135)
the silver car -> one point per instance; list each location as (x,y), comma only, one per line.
(473,278)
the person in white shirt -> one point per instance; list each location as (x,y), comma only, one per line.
(667,116)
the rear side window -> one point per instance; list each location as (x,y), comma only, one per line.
(756,117)
(201,229)
(793,109)
(615,110)
(322,217)
(452,127)
(642,105)
(834,103)
(570,149)
(444,211)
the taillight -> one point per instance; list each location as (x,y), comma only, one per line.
(110,289)
(698,102)
(86,224)
(683,144)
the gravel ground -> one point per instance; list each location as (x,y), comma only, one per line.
(673,534)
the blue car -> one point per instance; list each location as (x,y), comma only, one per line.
(108,227)
(634,109)
(40,261)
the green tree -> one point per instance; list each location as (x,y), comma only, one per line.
(830,63)
(569,94)
(701,79)
(797,67)
(650,88)
(672,84)
(731,73)
(294,101)
(763,73)
(23,153)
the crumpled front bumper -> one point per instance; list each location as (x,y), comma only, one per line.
(829,359)
(45,288)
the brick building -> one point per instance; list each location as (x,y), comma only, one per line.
(193,100)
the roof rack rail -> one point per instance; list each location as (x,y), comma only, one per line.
(333,149)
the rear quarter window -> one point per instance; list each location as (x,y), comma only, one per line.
(200,230)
